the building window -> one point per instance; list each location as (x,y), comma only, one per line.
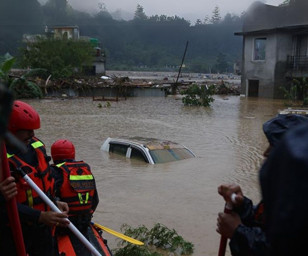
(259,49)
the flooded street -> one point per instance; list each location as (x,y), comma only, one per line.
(226,138)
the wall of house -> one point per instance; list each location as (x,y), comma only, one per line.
(271,72)
(260,70)
(100,68)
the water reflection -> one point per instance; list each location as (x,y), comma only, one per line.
(226,138)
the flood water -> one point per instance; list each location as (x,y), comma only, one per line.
(226,138)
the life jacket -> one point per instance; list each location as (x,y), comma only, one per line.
(40,174)
(78,187)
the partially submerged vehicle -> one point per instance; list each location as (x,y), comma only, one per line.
(292,111)
(150,150)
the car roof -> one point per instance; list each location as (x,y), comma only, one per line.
(290,111)
(150,143)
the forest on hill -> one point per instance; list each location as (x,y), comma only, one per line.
(142,43)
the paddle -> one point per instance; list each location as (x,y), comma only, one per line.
(11,207)
(55,209)
(117,234)
(223,240)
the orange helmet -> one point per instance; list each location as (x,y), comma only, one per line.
(62,149)
(23,117)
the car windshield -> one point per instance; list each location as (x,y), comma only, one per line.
(169,155)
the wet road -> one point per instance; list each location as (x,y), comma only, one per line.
(227,139)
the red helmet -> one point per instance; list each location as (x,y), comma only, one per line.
(23,117)
(62,149)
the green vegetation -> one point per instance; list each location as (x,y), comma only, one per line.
(196,95)
(6,64)
(142,43)
(297,93)
(158,241)
(59,57)
(21,86)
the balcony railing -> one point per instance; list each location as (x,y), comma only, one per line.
(297,63)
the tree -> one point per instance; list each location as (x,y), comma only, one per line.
(198,22)
(140,14)
(196,95)
(59,57)
(286,2)
(57,11)
(102,7)
(216,15)
(20,86)
(206,20)
(221,63)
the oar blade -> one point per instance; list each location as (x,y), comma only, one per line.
(122,236)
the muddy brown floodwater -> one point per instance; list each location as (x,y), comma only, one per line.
(227,139)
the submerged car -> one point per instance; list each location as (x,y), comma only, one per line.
(150,150)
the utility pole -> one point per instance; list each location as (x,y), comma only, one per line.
(174,87)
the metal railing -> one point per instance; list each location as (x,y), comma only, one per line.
(297,63)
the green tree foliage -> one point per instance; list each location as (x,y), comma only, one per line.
(139,13)
(59,57)
(286,2)
(222,65)
(216,18)
(59,10)
(20,86)
(196,95)
(6,64)
(158,239)
(297,93)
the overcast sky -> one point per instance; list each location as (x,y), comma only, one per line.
(188,9)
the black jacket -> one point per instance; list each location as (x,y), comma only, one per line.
(249,238)
(284,185)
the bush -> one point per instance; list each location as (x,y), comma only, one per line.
(158,241)
(198,95)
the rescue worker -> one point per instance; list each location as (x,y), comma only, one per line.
(245,224)
(36,218)
(75,184)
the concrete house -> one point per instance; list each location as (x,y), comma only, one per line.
(275,48)
(65,32)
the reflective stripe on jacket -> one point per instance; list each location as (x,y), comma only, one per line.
(41,176)
(78,187)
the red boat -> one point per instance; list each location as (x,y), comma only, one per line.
(95,238)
